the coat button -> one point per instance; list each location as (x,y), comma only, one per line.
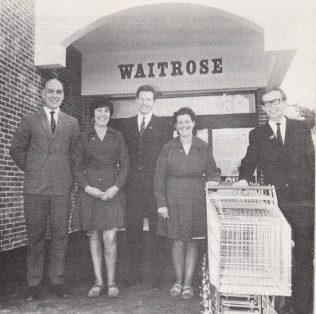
(140,168)
(286,185)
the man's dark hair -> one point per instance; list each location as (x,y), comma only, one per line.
(146,88)
(272,89)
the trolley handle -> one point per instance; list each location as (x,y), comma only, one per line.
(231,187)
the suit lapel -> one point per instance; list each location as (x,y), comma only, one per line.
(288,131)
(134,126)
(44,122)
(151,125)
(61,122)
(269,135)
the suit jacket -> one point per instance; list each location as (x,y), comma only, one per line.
(289,167)
(143,151)
(45,157)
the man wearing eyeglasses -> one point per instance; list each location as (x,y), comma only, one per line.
(283,151)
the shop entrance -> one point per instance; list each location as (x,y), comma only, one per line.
(223,120)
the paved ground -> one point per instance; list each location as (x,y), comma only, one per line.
(140,299)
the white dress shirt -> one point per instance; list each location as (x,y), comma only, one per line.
(140,119)
(274,127)
(47,111)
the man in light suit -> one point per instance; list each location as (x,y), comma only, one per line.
(283,150)
(41,147)
(144,134)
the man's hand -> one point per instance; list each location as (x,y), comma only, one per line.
(241,183)
(163,212)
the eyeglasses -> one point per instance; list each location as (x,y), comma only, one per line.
(274,102)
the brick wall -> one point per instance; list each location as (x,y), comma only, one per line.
(20,84)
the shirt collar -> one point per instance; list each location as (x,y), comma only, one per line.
(147,117)
(93,131)
(195,142)
(273,124)
(48,111)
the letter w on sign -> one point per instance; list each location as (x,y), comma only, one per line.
(126,70)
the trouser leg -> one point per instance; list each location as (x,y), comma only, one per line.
(303,273)
(300,215)
(59,221)
(134,241)
(158,249)
(36,213)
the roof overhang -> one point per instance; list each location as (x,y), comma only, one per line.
(277,65)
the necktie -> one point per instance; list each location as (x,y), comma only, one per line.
(52,122)
(279,136)
(142,127)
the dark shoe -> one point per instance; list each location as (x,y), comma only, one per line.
(60,292)
(32,294)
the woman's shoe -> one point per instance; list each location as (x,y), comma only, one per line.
(187,293)
(113,291)
(95,291)
(175,290)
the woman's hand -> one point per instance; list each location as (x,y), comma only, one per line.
(109,193)
(93,191)
(241,183)
(163,212)
(212,182)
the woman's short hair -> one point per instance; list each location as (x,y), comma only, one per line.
(182,111)
(101,104)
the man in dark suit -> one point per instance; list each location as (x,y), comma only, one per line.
(144,134)
(41,147)
(283,150)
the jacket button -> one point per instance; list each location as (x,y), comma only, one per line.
(286,185)
(140,168)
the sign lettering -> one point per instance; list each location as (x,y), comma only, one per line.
(172,68)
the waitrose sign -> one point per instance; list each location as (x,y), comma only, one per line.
(170,68)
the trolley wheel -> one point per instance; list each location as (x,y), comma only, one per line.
(208,292)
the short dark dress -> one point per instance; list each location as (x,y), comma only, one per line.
(180,186)
(100,164)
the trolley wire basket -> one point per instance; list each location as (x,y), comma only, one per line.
(249,241)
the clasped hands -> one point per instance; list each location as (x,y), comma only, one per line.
(104,196)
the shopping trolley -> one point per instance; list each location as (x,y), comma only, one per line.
(248,259)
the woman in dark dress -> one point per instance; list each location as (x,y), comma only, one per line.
(184,165)
(100,169)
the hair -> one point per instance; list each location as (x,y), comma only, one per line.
(146,88)
(182,111)
(101,103)
(51,79)
(272,89)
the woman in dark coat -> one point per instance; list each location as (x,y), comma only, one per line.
(100,169)
(184,165)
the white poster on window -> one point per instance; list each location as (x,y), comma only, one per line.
(229,147)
